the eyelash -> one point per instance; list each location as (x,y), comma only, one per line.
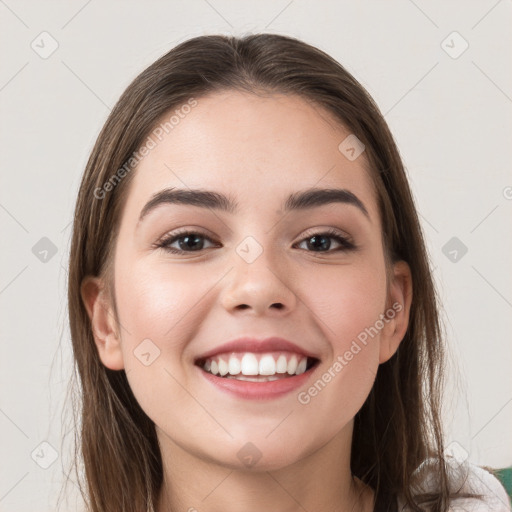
(346,245)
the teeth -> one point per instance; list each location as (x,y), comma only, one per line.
(292,365)
(301,368)
(247,367)
(281,365)
(267,365)
(223,367)
(234,365)
(255,379)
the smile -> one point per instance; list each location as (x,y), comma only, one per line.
(258,375)
(257,367)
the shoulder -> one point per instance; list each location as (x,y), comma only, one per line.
(464,477)
(483,482)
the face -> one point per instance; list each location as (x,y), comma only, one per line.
(189,278)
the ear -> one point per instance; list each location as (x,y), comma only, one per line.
(103,322)
(397,310)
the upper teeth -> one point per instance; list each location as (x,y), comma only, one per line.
(248,364)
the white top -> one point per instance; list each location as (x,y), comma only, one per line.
(469,478)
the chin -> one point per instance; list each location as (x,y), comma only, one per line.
(257,456)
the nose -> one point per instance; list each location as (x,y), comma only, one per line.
(261,286)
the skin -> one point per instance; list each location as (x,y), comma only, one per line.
(258,149)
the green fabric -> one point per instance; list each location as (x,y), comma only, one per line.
(505,477)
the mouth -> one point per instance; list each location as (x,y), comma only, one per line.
(257,367)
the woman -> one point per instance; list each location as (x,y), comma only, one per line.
(252,313)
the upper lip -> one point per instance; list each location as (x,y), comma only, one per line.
(273,344)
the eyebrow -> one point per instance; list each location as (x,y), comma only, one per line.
(301,200)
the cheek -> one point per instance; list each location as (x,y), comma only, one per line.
(347,301)
(349,304)
(153,301)
(156,309)
(160,308)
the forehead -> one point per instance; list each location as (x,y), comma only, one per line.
(252,146)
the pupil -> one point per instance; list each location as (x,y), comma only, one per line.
(325,245)
(186,242)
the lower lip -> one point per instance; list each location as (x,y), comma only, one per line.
(259,390)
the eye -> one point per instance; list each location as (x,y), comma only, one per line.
(188,241)
(193,241)
(322,241)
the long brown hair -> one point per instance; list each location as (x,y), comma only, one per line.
(399,425)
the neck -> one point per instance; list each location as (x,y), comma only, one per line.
(317,482)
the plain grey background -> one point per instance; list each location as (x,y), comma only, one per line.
(439,71)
